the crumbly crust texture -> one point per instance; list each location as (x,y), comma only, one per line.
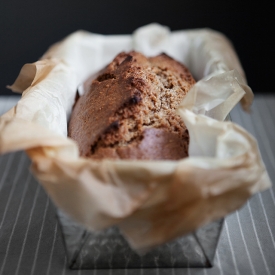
(129,110)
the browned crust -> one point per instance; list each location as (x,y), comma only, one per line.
(132,96)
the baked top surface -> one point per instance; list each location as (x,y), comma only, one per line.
(129,98)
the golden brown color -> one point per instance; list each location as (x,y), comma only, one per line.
(129,110)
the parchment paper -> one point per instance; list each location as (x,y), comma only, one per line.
(150,201)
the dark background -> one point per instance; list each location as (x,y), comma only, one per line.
(29,27)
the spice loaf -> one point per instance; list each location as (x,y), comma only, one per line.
(129,110)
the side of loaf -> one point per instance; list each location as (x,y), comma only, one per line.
(129,110)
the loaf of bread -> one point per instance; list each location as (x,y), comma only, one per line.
(129,110)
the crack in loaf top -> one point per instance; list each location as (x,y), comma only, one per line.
(130,106)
